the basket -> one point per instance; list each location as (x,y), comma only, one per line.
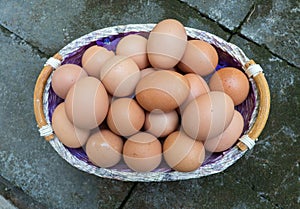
(255,109)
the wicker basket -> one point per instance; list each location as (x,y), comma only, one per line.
(255,109)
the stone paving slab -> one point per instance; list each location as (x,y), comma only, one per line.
(5,204)
(277,158)
(219,191)
(17,196)
(276,25)
(26,159)
(267,176)
(50,25)
(230,14)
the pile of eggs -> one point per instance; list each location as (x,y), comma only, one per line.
(148,101)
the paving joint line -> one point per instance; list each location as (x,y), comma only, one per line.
(125,200)
(237,31)
(8,32)
(205,16)
(239,27)
(17,196)
(266,48)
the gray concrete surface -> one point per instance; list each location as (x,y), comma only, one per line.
(5,204)
(32,175)
(275,25)
(229,14)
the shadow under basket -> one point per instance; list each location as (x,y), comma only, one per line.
(255,109)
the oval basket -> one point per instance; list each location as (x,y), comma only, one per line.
(255,109)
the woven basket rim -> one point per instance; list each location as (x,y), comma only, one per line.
(229,158)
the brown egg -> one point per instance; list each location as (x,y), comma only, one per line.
(230,135)
(166,44)
(183,153)
(198,86)
(87,103)
(65,131)
(104,148)
(147,71)
(125,117)
(171,69)
(208,115)
(161,124)
(64,77)
(233,82)
(142,152)
(134,46)
(162,90)
(120,75)
(199,57)
(94,58)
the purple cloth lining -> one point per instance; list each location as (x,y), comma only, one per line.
(110,43)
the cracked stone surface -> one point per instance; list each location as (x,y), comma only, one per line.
(276,24)
(228,13)
(50,25)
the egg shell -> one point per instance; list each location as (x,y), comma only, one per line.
(87,103)
(198,86)
(199,57)
(147,71)
(183,153)
(230,135)
(162,90)
(65,131)
(161,124)
(64,77)
(142,152)
(171,69)
(166,44)
(233,82)
(120,75)
(94,58)
(208,115)
(134,46)
(104,148)
(125,117)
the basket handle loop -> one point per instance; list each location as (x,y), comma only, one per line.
(44,128)
(254,70)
